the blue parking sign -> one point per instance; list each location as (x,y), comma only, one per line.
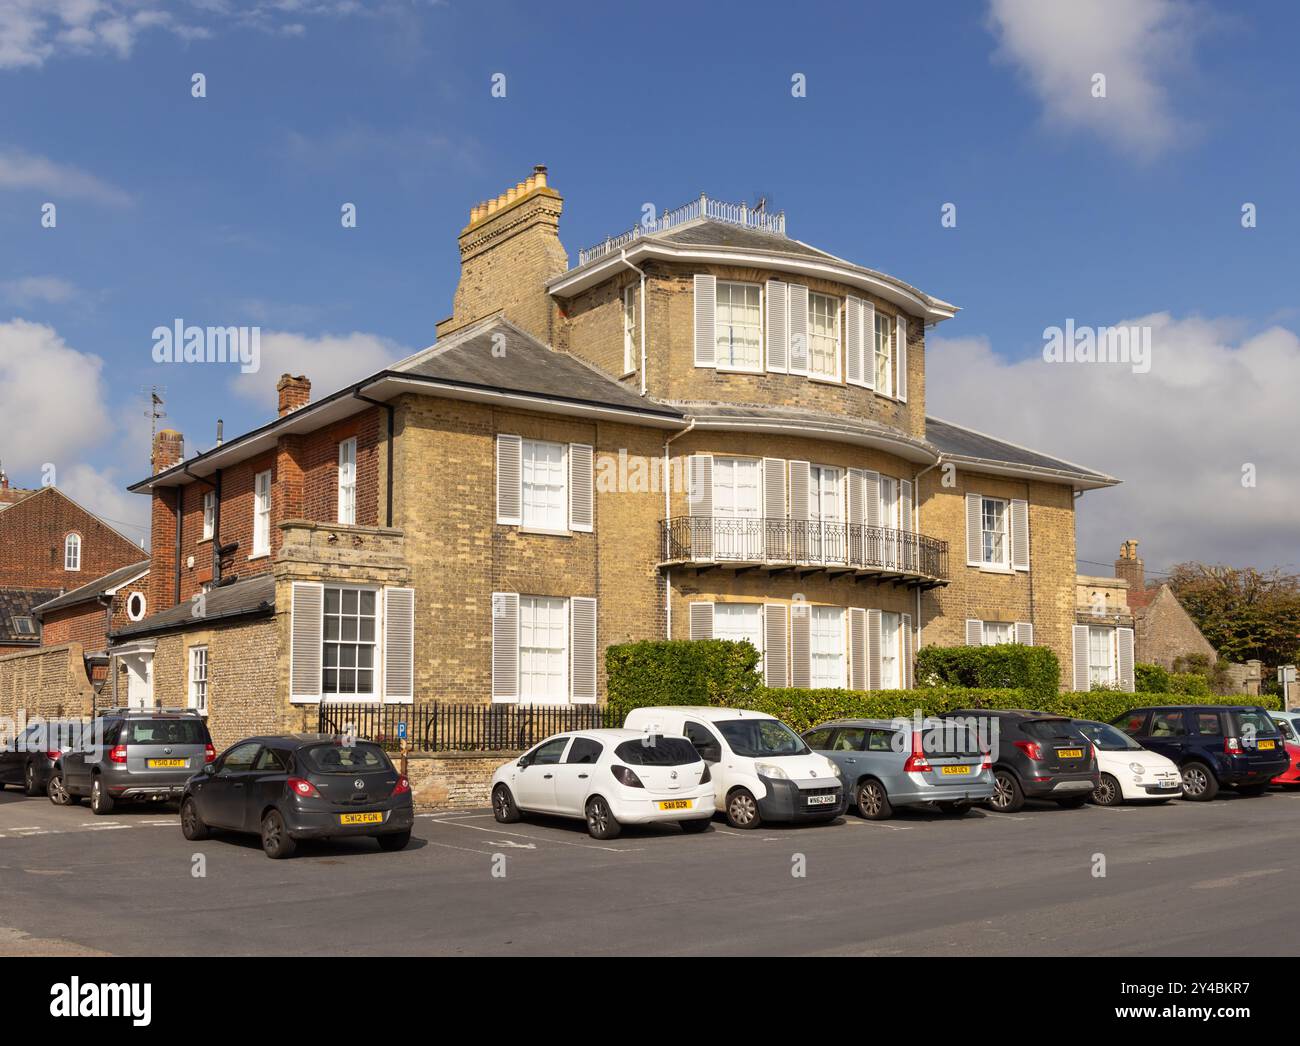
(401,731)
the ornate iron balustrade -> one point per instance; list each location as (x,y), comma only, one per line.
(797,542)
(704,207)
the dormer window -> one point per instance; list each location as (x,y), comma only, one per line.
(824,336)
(739,327)
(72,552)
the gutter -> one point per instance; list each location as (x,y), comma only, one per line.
(173,626)
(388,483)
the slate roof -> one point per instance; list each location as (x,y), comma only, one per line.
(246,597)
(724,234)
(521,363)
(956,441)
(18,602)
(95,588)
(822,422)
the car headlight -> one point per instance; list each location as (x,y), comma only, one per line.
(770,770)
(1137,768)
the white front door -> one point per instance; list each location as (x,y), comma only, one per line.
(139,680)
(737,509)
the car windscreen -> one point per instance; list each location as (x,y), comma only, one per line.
(164,732)
(1107,738)
(753,738)
(1050,730)
(657,751)
(950,737)
(339,759)
(1253,722)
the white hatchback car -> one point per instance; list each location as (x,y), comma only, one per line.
(762,770)
(608,778)
(1129,771)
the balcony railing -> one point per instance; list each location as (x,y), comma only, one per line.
(703,207)
(811,543)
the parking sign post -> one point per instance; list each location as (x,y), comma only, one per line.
(406,745)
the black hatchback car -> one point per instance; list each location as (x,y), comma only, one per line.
(30,758)
(300,786)
(1212,745)
(1037,755)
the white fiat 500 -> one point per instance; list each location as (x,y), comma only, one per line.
(1129,771)
(762,770)
(609,778)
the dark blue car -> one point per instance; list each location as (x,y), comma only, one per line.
(1238,746)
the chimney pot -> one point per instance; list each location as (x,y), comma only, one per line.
(168,450)
(539,172)
(295,392)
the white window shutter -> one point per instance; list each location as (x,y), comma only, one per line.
(869,344)
(510,495)
(778,327)
(871,485)
(1080,633)
(873,649)
(776,536)
(706,299)
(799,481)
(857,648)
(974,632)
(399,645)
(800,645)
(909,652)
(699,504)
(854,341)
(1020,535)
(776,645)
(798,326)
(582,488)
(701,621)
(306,640)
(900,363)
(857,497)
(974,531)
(1025,633)
(905,505)
(582,650)
(505,646)
(1124,642)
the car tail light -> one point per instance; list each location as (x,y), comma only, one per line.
(706,777)
(402,787)
(209,753)
(118,754)
(916,763)
(625,776)
(1231,746)
(304,788)
(1031,748)
(53,757)
(987,764)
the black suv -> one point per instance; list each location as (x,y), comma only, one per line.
(1036,755)
(1213,745)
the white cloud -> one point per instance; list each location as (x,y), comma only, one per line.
(1216,399)
(103,492)
(20,169)
(30,290)
(1139,45)
(331,362)
(34,31)
(52,399)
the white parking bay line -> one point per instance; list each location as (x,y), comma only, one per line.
(520,835)
(881,824)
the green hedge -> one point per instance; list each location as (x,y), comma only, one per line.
(1156,679)
(803,709)
(680,672)
(1151,679)
(1003,666)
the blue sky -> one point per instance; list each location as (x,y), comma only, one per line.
(225,210)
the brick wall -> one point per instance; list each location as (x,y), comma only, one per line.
(88,623)
(1165,632)
(49,682)
(453,780)
(32,535)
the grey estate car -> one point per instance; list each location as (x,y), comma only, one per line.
(889,763)
(130,754)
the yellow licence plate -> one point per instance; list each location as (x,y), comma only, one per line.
(1069,753)
(1266,746)
(675,804)
(959,770)
(159,764)
(376,818)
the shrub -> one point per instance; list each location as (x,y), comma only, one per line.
(1004,666)
(1152,679)
(680,672)
(1190,683)
(803,709)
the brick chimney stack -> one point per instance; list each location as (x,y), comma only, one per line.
(1129,566)
(168,450)
(508,251)
(294,392)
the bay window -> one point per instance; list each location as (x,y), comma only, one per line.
(823,336)
(827,645)
(739,327)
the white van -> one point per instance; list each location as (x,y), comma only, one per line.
(762,770)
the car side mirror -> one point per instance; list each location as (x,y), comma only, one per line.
(523,763)
(209,768)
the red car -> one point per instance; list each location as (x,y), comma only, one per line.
(1292,775)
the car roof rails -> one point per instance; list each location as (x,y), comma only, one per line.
(147,711)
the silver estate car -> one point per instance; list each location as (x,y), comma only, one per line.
(888,763)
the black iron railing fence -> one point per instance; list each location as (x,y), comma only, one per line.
(436,726)
(799,541)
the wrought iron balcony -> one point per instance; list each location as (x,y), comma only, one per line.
(806,546)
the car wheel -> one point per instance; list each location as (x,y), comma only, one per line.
(100,801)
(192,825)
(1007,795)
(600,820)
(1251,790)
(59,795)
(30,786)
(1108,792)
(873,801)
(695,826)
(1199,783)
(503,805)
(392,841)
(954,809)
(276,841)
(1075,802)
(742,809)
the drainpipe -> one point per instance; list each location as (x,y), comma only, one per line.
(668,510)
(916,522)
(388,483)
(641,273)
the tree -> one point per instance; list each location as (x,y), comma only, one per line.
(1243,613)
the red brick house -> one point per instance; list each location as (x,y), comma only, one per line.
(87,615)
